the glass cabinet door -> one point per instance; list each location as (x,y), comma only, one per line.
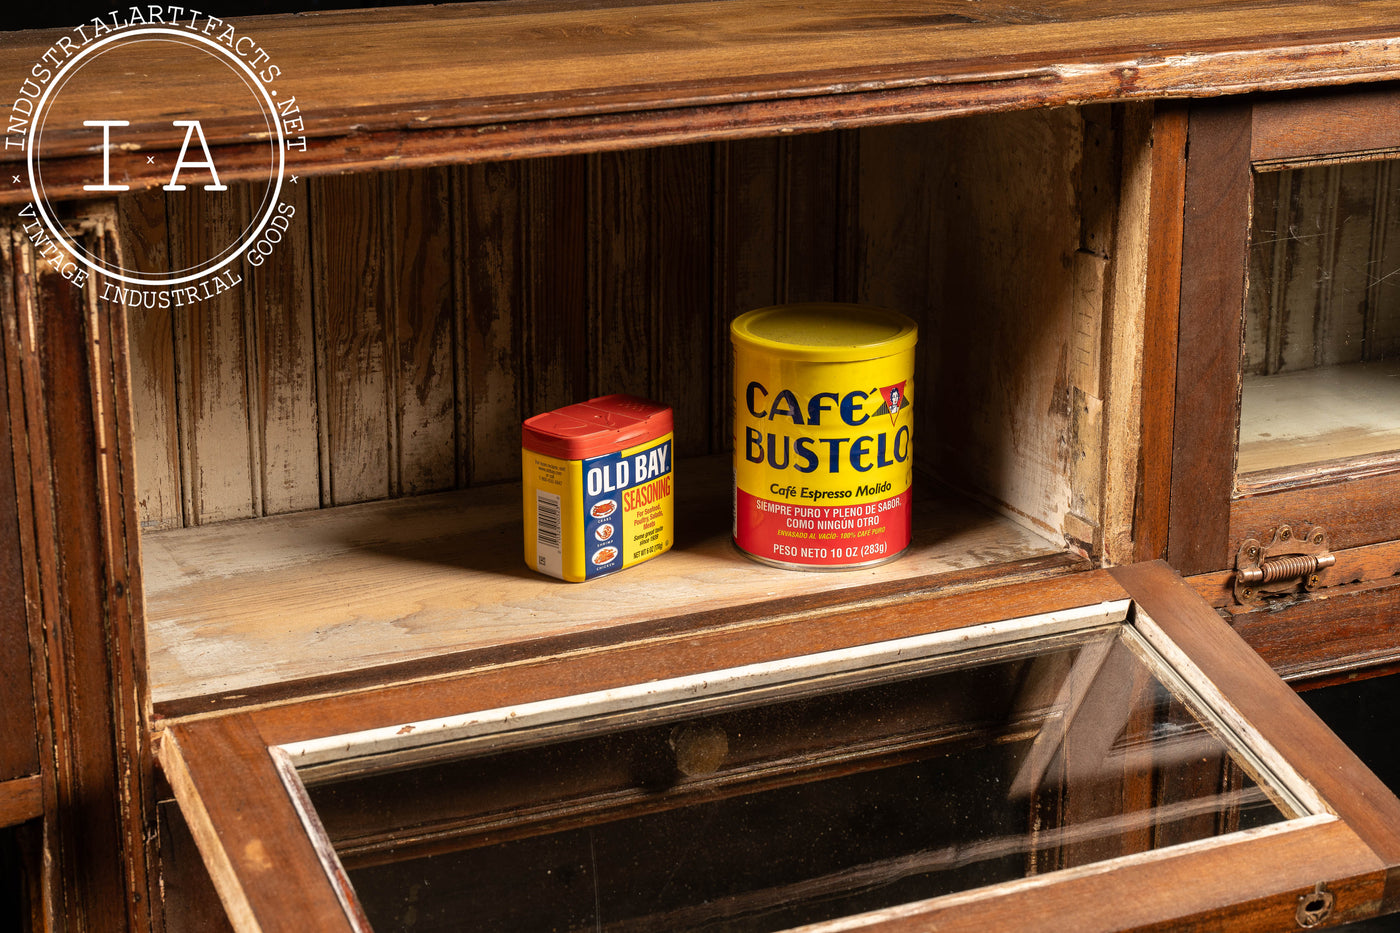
(1115,738)
(1286,411)
(1321,364)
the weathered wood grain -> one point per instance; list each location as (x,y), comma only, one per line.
(1127,297)
(1152,509)
(1367,564)
(65,353)
(682,306)
(1281,718)
(561,275)
(624,335)
(1355,508)
(145,245)
(419,238)
(813,216)
(280,301)
(755,66)
(1339,630)
(220,470)
(748,273)
(1005,312)
(354,320)
(19,714)
(383,583)
(249,832)
(1325,123)
(492,307)
(21,799)
(1213,259)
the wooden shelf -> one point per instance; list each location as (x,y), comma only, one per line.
(1319,415)
(426,85)
(238,606)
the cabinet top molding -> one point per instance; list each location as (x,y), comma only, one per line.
(474,81)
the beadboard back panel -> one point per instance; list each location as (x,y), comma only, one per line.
(411,319)
(1324,250)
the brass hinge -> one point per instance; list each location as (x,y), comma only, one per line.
(1288,563)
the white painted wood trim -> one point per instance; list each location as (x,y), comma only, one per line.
(404,737)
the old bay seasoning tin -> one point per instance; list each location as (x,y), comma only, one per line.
(823,434)
(598,486)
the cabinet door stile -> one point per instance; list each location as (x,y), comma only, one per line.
(1208,351)
(261,857)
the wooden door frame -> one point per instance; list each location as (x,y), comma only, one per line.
(1209,514)
(243,800)
(66,393)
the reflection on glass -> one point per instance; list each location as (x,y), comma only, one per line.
(762,815)
(1322,320)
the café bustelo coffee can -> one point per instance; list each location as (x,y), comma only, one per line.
(823,434)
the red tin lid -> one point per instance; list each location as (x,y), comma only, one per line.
(595,427)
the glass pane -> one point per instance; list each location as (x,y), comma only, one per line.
(769,808)
(1322,320)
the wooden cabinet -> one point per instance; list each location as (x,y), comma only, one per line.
(21,788)
(295,501)
(1287,341)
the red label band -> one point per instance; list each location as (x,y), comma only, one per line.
(821,535)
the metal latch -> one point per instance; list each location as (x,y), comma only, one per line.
(1315,907)
(1287,563)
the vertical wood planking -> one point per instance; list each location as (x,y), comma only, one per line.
(353,322)
(556,288)
(284,404)
(489,242)
(1318,237)
(897,242)
(65,354)
(423,332)
(1152,509)
(747,261)
(1383,325)
(895,235)
(1005,312)
(1304,297)
(813,216)
(220,475)
(1268,252)
(443,306)
(682,307)
(1342,308)
(145,246)
(627,357)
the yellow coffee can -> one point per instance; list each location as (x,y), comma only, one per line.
(823,434)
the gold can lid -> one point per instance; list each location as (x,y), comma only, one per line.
(825,332)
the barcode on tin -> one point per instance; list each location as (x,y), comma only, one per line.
(549,546)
